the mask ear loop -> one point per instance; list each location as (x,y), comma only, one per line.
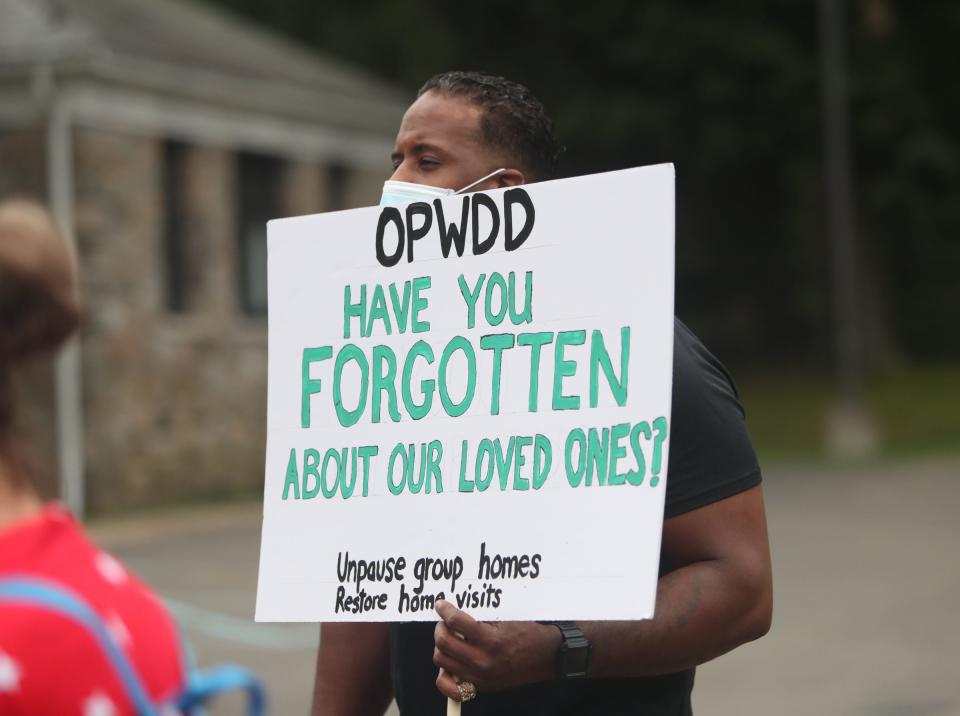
(481,180)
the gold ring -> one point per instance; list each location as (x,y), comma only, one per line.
(468,692)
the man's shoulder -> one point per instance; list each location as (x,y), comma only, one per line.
(698,374)
(711,455)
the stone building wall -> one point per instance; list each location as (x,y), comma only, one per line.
(23,170)
(365,186)
(117,211)
(174,401)
(305,189)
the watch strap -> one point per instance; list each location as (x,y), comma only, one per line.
(573,656)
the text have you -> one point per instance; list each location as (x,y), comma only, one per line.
(383,385)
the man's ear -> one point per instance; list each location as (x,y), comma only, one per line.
(510,177)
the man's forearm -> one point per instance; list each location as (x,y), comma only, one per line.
(353,671)
(701,613)
(718,595)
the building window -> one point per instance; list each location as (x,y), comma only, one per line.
(175,255)
(258,201)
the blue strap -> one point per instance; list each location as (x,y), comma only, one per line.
(199,686)
(202,685)
(35,592)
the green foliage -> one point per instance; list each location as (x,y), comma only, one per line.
(914,409)
(730,93)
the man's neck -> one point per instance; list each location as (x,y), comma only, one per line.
(18,501)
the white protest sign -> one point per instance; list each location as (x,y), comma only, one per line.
(469,399)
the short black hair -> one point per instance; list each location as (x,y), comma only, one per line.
(513,119)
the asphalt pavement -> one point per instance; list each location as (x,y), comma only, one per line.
(866,579)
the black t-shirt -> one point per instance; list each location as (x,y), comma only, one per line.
(711,458)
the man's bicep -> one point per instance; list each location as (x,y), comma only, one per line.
(731,537)
(733,530)
(353,670)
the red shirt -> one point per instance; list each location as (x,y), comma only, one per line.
(49,664)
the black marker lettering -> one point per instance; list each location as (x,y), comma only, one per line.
(390,214)
(452,235)
(482,247)
(419,208)
(511,197)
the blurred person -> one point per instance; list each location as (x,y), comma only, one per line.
(715,587)
(48,663)
(79,634)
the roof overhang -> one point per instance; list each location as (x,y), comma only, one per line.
(140,96)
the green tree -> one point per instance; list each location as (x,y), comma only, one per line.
(730,93)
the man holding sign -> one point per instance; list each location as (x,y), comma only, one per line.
(714,591)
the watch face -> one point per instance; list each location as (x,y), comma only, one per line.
(576,658)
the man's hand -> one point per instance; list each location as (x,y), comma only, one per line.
(491,656)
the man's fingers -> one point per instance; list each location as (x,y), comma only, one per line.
(461,622)
(453,646)
(458,669)
(447,685)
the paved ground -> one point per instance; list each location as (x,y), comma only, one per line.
(867,580)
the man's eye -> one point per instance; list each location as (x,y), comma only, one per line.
(428,163)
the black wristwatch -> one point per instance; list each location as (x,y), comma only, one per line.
(573,658)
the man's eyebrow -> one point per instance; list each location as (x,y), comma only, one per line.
(421,147)
(418,148)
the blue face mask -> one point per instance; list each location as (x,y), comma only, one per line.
(403,192)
